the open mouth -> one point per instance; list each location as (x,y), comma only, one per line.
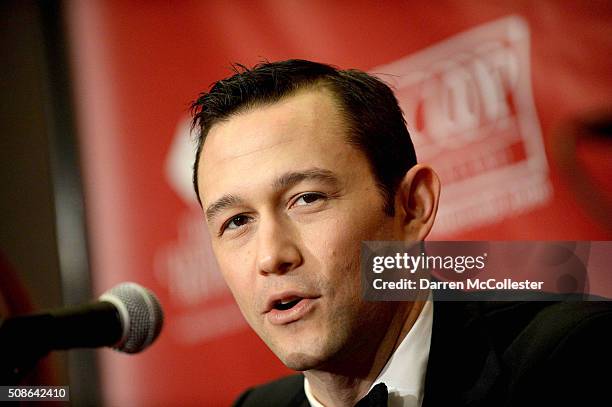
(290,308)
(283,305)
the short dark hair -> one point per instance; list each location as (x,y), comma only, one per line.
(376,124)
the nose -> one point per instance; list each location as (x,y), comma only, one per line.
(277,251)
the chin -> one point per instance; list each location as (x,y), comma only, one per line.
(312,352)
(300,353)
(300,361)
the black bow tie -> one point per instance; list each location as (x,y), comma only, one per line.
(377,397)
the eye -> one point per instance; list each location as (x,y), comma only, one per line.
(308,199)
(234,223)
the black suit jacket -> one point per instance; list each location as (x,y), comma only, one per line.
(501,354)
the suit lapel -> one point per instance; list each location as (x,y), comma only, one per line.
(463,367)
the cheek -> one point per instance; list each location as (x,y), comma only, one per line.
(242,291)
(347,230)
(338,245)
(237,278)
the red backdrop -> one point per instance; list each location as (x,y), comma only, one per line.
(499,96)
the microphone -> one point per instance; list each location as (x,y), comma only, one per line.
(140,315)
(128,318)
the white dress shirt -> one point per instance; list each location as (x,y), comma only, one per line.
(404,373)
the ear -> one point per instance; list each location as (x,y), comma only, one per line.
(418,195)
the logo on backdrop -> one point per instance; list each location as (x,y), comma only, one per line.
(470,111)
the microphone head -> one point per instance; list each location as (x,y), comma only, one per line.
(141,315)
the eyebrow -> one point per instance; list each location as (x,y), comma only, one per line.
(292,178)
(226,201)
(283,182)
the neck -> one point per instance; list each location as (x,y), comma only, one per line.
(345,383)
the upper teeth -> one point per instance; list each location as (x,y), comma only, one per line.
(285,301)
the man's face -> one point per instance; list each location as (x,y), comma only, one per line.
(288,202)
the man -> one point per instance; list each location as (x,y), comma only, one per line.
(297,164)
